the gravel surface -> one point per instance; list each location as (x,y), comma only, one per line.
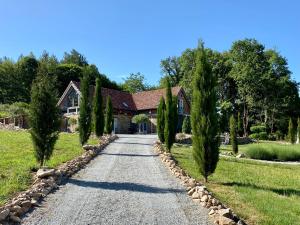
(125,184)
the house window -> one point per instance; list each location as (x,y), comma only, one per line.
(72,99)
(180,106)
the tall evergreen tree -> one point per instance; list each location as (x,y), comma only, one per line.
(204,116)
(85,109)
(186,125)
(169,118)
(175,116)
(239,124)
(161,119)
(291,130)
(44,116)
(298,130)
(98,109)
(109,120)
(233,134)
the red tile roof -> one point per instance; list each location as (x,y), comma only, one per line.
(138,101)
(150,99)
(120,99)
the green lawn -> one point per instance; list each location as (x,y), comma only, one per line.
(261,193)
(17,159)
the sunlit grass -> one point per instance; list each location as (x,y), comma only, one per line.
(261,193)
(17,159)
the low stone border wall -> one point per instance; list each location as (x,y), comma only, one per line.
(46,180)
(219,213)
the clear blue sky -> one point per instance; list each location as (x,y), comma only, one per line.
(127,36)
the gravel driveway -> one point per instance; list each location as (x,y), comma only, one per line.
(125,184)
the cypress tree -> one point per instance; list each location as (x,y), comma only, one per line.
(98,109)
(291,130)
(298,130)
(85,109)
(169,121)
(44,116)
(108,116)
(161,119)
(186,125)
(233,135)
(239,125)
(204,116)
(175,116)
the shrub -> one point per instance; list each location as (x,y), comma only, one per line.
(140,118)
(273,152)
(186,125)
(258,128)
(258,132)
(257,151)
(72,121)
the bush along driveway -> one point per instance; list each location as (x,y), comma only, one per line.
(47,180)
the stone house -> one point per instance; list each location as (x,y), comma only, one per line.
(125,106)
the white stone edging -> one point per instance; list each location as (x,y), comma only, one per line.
(47,180)
(219,213)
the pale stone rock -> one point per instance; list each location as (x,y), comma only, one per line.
(196,195)
(226,221)
(211,212)
(15,219)
(204,198)
(41,173)
(4,213)
(242,155)
(225,212)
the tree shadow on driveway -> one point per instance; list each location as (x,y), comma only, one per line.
(124,154)
(131,143)
(127,186)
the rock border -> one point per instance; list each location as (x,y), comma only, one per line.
(218,212)
(47,180)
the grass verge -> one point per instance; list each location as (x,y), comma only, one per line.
(17,159)
(263,194)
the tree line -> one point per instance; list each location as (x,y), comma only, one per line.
(16,78)
(253,83)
